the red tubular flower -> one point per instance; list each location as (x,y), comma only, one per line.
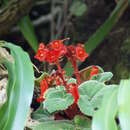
(81,53)
(52,56)
(41,53)
(73,89)
(44,87)
(57,45)
(94,71)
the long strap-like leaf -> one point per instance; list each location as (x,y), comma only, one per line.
(4,110)
(124,104)
(104,118)
(103,31)
(19,90)
(27,29)
(28,32)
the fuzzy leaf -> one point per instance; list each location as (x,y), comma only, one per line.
(57,99)
(41,115)
(103,77)
(91,94)
(85,73)
(54,125)
(58,125)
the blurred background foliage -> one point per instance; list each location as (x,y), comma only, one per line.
(46,20)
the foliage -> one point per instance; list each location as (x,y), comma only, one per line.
(108,111)
(114,105)
(100,105)
(27,30)
(58,98)
(19,89)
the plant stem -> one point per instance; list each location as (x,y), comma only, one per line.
(76,72)
(60,73)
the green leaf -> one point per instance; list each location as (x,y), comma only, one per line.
(78,8)
(88,91)
(58,125)
(58,98)
(103,77)
(41,115)
(104,118)
(54,125)
(82,121)
(123,104)
(69,69)
(91,94)
(85,73)
(27,30)
(19,90)
(103,31)
(4,110)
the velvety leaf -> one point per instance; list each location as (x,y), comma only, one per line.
(104,118)
(123,104)
(103,77)
(19,90)
(54,125)
(82,121)
(41,115)
(85,73)
(58,125)
(97,98)
(87,91)
(91,94)
(58,98)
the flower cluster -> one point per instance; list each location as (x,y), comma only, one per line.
(51,53)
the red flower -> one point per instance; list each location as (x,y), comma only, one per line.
(73,89)
(52,56)
(52,52)
(41,53)
(94,71)
(81,53)
(57,45)
(44,87)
